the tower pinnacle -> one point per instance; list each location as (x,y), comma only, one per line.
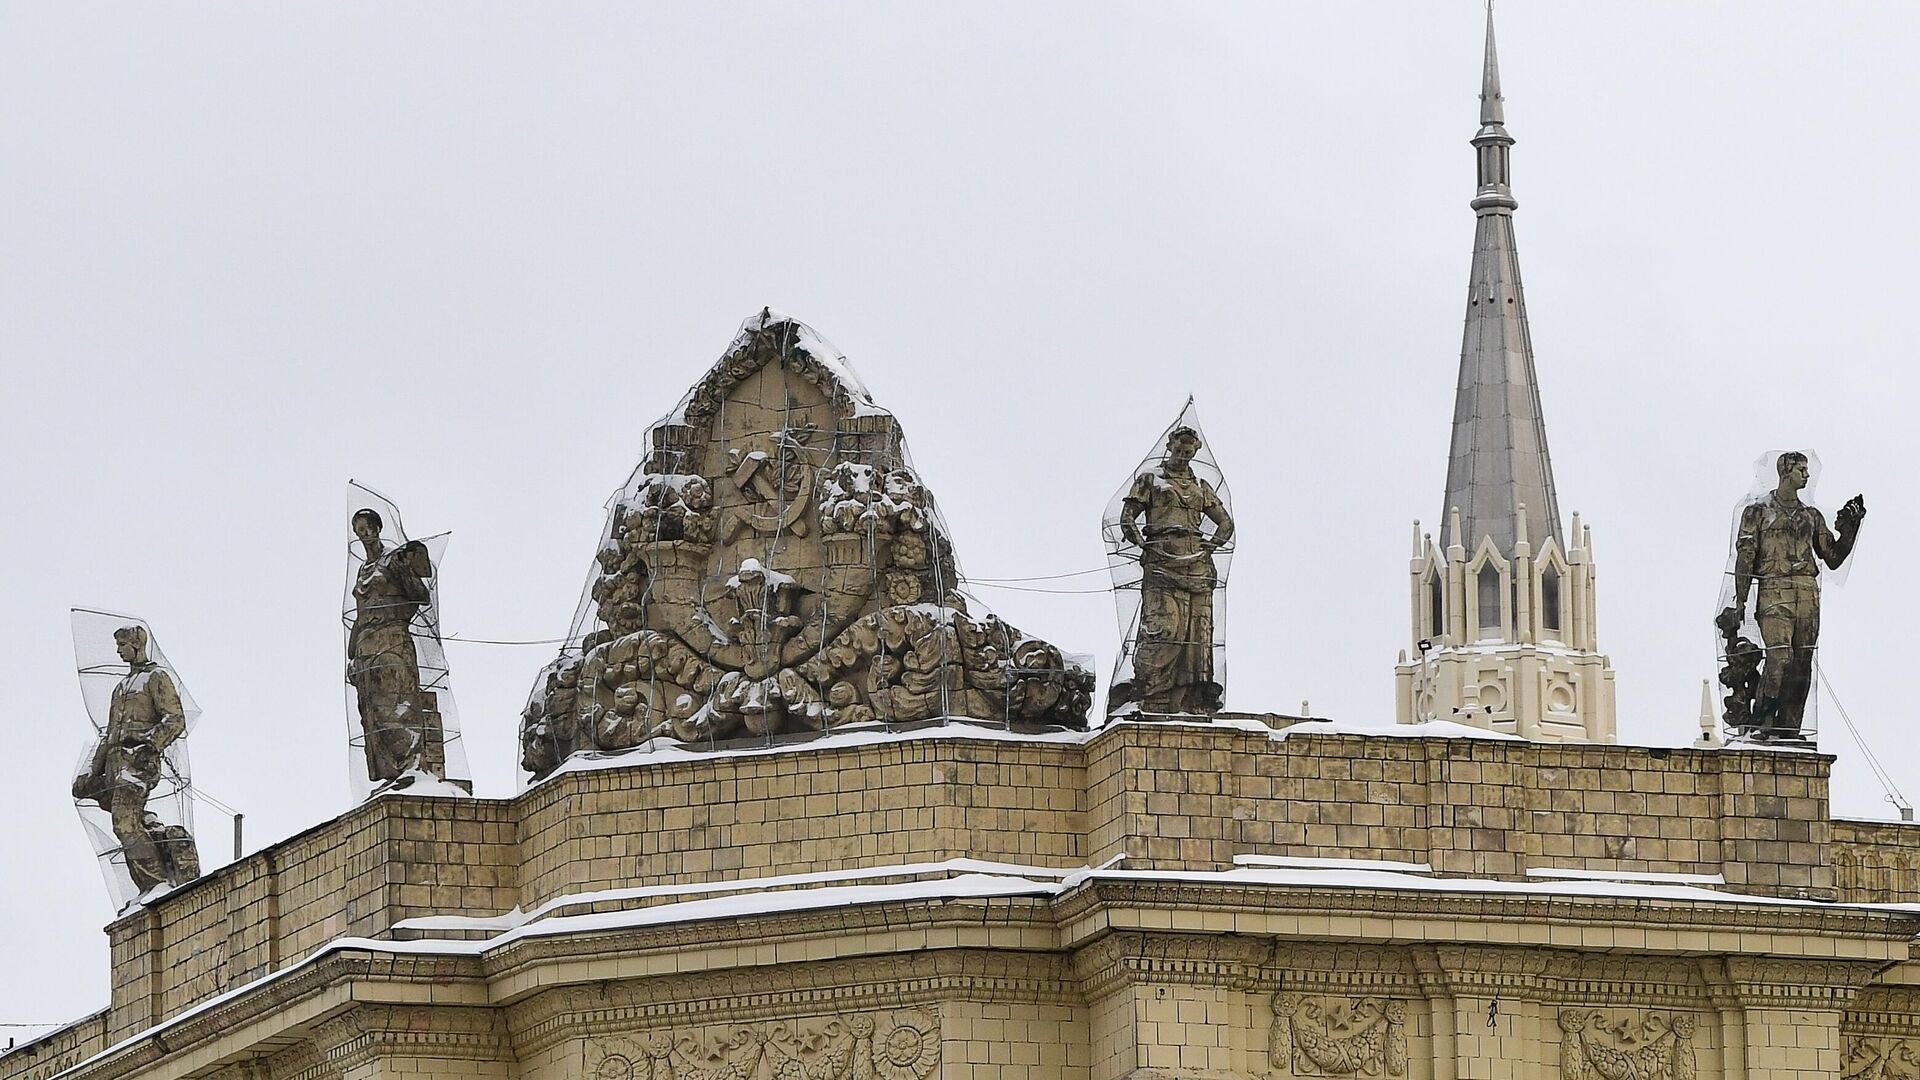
(1490,110)
(1498,459)
(1503,615)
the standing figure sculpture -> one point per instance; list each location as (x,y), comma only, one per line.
(395,663)
(1778,549)
(1172,523)
(135,762)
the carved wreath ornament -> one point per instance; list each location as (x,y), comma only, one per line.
(1650,1046)
(856,1047)
(1316,1036)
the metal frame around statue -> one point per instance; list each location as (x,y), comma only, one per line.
(406,732)
(1169,537)
(132,788)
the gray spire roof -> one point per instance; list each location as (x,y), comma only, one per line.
(1499,457)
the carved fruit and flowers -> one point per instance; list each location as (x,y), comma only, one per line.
(1316,1036)
(857,1047)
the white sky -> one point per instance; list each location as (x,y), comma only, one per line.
(466,253)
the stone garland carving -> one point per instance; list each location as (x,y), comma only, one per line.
(856,1047)
(776,565)
(1325,1036)
(1643,1046)
(1864,1058)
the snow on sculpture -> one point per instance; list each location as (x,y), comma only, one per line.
(132,788)
(407,734)
(1169,535)
(1772,594)
(776,564)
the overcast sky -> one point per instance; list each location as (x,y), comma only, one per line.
(466,253)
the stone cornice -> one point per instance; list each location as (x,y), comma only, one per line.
(1788,982)
(275,998)
(771,930)
(879,982)
(826,956)
(1885,1010)
(365,1032)
(1339,968)
(1239,898)
(1120,959)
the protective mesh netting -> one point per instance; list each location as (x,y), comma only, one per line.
(403,732)
(1169,537)
(775,566)
(132,787)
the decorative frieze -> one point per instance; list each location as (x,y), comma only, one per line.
(1192,959)
(869,1046)
(369,1032)
(1596,1045)
(1315,1036)
(1879,1058)
(768,995)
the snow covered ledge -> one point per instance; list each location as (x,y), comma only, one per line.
(1174,795)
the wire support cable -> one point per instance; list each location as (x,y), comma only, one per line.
(1879,770)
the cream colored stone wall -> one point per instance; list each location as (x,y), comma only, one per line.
(1701,1004)
(803,811)
(58,1051)
(388,860)
(1133,999)
(1876,862)
(1165,796)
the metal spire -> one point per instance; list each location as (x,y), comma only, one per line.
(1498,458)
(1490,110)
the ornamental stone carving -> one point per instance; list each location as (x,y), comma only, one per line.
(1870,1058)
(1315,1036)
(861,1046)
(1597,1045)
(776,565)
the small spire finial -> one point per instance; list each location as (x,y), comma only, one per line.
(1490,99)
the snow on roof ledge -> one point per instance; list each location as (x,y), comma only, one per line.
(661,750)
(975,880)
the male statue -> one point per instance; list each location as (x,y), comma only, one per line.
(400,721)
(144,717)
(1779,541)
(1173,657)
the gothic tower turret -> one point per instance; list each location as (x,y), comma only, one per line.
(1503,614)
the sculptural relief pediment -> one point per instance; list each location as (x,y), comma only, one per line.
(776,564)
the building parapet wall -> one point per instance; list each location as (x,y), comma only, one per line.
(1168,796)
(57,1051)
(1876,862)
(389,859)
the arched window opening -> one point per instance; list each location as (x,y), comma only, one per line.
(1436,605)
(1551,619)
(1491,623)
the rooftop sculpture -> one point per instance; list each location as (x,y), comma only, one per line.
(1773,593)
(776,564)
(407,731)
(132,788)
(1169,537)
